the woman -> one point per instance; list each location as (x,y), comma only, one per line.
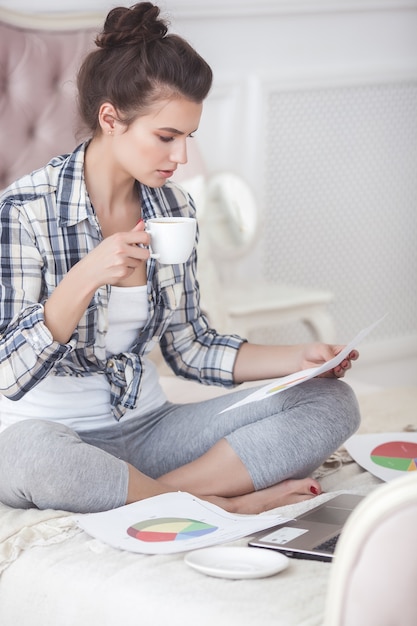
(85,424)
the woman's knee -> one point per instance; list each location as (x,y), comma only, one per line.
(48,465)
(349,405)
(338,401)
(25,454)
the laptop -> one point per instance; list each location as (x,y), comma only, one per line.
(312,535)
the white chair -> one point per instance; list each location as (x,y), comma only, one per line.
(374,573)
(229,218)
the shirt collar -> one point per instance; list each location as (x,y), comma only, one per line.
(73,202)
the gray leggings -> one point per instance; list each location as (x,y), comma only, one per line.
(44,464)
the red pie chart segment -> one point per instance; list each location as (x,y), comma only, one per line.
(396,455)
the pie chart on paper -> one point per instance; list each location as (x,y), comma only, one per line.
(385,455)
(169,529)
(396,455)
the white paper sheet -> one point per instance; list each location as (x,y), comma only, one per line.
(385,455)
(280,384)
(172,522)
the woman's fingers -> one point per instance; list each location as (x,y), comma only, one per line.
(340,370)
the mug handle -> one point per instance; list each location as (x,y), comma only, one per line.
(153,255)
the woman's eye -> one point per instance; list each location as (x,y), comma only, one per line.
(166,139)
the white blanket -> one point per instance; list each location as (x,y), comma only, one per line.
(21,530)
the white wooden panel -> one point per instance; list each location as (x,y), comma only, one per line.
(341,199)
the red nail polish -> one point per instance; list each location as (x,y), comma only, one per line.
(314,490)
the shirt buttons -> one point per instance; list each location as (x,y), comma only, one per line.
(110,363)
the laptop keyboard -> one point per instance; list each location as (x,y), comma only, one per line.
(329,545)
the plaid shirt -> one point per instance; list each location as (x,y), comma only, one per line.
(47,224)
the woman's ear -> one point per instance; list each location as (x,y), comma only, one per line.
(107,117)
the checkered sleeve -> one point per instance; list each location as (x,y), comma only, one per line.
(191,347)
(27,350)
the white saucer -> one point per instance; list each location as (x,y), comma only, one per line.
(236,562)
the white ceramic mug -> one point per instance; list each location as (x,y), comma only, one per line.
(172,238)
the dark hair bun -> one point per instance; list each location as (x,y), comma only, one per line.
(138,24)
(136,63)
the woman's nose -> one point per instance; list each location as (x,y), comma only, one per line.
(179,153)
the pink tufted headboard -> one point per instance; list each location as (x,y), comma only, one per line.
(39,58)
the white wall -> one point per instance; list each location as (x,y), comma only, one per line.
(315,104)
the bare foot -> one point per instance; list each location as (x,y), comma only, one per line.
(286,492)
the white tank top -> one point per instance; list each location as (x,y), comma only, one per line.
(83,403)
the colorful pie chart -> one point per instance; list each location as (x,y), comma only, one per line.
(169,529)
(396,455)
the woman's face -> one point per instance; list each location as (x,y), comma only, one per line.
(153,146)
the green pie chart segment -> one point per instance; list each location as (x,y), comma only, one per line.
(396,455)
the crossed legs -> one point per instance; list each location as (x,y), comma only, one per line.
(265,460)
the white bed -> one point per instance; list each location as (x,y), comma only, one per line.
(54,574)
